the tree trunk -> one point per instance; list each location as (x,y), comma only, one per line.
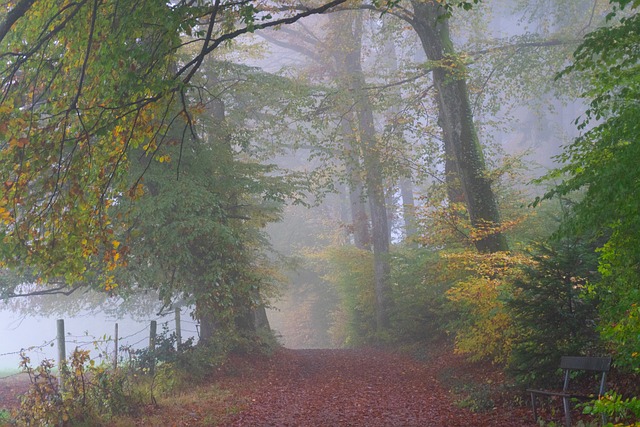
(359,217)
(261,321)
(208,322)
(408,210)
(461,142)
(350,69)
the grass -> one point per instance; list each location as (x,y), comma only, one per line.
(472,395)
(185,407)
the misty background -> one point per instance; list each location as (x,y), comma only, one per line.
(523,116)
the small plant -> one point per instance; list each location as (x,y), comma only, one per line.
(42,404)
(164,351)
(5,417)
(475,396)
(84,393)
(621,411)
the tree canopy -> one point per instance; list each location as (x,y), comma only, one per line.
(83,84)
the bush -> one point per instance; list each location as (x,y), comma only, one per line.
(484,329)
(553,313)
(89,393)
(420,312)
(623,412)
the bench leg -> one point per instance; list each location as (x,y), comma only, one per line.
(533,406)
(567,411)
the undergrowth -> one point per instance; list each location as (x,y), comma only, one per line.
(475,396)
(87,393)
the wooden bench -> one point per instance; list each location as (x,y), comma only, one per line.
(569,364)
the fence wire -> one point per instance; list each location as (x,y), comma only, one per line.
(86,340)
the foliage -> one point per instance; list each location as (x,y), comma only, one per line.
(619,411)
(552,309)
(420,312)
(165,351)
(96,394)
(85,83)
(89,393)
(200,238)
(350,270)
(485,328)
(603,163)
(621,332)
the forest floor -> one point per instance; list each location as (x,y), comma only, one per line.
(364,387)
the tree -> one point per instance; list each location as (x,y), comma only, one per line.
(603,163)
(464,156)
(83,84)
(553,312)
(357,145)
(197,235)
(348,61)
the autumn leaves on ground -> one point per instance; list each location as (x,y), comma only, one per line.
(363,387)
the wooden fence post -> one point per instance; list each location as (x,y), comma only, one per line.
(62,353)
(178,330)
(152,347)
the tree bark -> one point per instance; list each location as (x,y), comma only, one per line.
(208,322)
(350,69)
(408,210)
(462,145)
(359,217)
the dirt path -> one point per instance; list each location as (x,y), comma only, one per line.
(357,388)
(11,387)
(326,388)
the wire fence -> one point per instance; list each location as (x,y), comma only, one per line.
(99,346)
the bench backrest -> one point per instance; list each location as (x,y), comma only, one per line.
(576,363)
(599,364)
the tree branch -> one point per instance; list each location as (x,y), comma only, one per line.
(60,290)
(194,63)
(14,14)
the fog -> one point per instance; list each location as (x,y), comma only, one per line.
(87,326)
(519,110)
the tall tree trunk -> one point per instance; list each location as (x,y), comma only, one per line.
(261,321)
(390,206)
(408,210)
(208,322)
(390,63)
(461,140)
(350,69)
(359,217)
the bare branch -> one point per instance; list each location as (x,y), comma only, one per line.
(59,290)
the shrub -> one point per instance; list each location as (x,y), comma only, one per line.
(623,412)
(553,312)
(484,328)
(420,312)
(86,394)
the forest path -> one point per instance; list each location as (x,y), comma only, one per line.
(326,388)
(363,387)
